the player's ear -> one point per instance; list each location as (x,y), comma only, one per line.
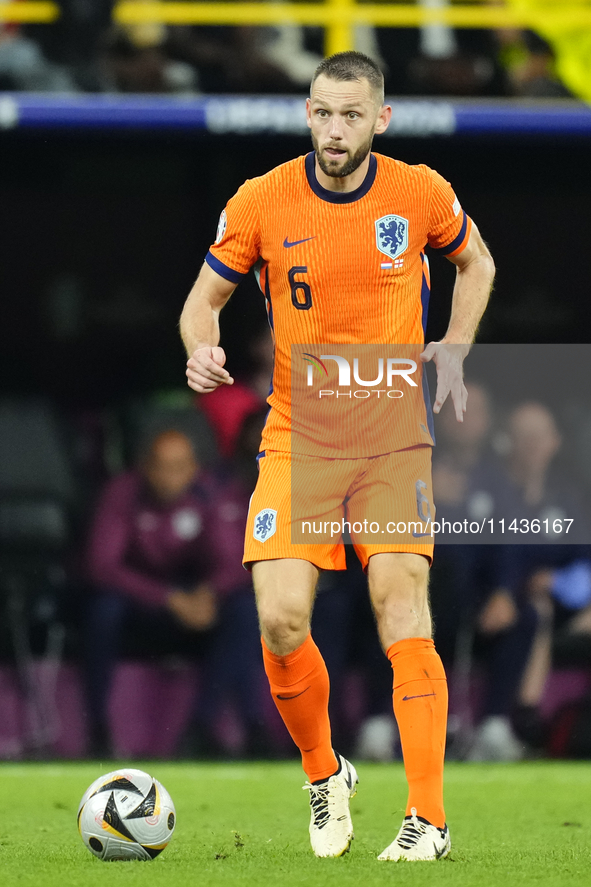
(308,113)
(384,118)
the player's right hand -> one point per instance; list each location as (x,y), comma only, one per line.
(205,369)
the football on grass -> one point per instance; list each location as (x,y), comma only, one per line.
(126,815)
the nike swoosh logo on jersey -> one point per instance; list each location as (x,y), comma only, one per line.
(287,244)
(295,696)
(419,696)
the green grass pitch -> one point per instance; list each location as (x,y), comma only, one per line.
(246,824)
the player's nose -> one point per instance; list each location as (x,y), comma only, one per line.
(336,128)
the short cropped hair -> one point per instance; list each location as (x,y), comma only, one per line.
(352,65)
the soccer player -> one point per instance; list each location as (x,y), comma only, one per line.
(318,230)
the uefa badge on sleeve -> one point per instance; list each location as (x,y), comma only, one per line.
(222,225)
(265,524)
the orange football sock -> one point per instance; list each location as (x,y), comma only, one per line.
(420,707)
(300,689)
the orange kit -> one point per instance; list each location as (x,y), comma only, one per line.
(341,272)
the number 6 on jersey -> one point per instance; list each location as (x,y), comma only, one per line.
(300,285)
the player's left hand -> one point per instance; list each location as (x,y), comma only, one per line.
(449,360)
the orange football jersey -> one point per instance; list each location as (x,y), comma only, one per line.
(339,268)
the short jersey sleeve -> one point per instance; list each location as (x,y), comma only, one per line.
(237,242)
(448,225)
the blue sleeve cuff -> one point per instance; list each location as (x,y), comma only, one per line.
(457,241)
(223,270)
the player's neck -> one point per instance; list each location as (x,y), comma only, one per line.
(345,184)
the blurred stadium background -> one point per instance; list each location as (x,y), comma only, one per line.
(124,128)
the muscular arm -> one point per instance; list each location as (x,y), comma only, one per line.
(474,280)
(200,331)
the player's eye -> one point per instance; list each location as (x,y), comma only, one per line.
(321,113)
(353,115)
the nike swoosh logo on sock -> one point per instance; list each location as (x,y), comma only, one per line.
(418,696)
(295,695)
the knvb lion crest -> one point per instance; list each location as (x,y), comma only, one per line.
(265,524)
(392,235)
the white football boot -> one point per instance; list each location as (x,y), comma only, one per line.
(418,840)
(331,828)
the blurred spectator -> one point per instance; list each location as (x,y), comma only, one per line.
(233,671)
(23,66)
(530,64)
(135,59)
(566,56)
(468,477)
(436,59)
(555,577)
(149,559)
(231,59)
(227,406)
(286,47)
(546,490)
(73,40)
(83,50)
(165,558)
(474,606)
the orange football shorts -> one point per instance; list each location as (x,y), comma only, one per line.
(306,507)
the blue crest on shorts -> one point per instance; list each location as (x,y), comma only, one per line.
(392,235)
(265,524)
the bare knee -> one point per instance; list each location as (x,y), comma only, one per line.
(398,587)
(285,592)
(283,630)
